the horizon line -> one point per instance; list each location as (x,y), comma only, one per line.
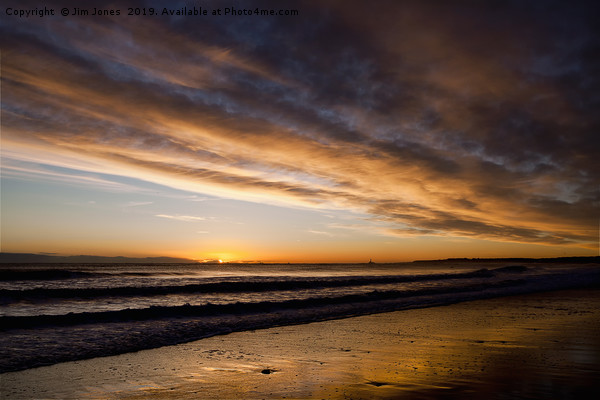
(259,262)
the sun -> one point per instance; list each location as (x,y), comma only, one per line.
(216,257)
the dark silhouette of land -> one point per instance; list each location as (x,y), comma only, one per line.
(568,260)
(16,258)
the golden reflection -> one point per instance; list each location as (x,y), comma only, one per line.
(534,346)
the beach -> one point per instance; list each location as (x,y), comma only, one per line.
(542,345)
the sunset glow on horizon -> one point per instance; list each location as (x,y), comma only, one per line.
(424,131)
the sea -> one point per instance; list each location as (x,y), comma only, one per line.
(52,313)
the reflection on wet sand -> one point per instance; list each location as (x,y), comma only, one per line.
(537,346)
(542,346)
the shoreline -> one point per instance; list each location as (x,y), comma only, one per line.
(47,339)
(454,351)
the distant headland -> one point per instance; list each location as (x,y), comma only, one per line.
(573,260)
(6,258)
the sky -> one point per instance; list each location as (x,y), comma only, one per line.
(341,132)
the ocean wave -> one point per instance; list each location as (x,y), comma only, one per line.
(237,286)
(53,274)
(30,341)
(43,274)
(187,310)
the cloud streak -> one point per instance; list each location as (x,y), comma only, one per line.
(433,119)
(184,218)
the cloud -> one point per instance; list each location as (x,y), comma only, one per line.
(14,168)
(470,120)
(184,218)
(138,203)
(320,233)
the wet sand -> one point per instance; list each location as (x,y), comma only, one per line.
(543,346)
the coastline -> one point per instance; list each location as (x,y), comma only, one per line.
(538,345)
